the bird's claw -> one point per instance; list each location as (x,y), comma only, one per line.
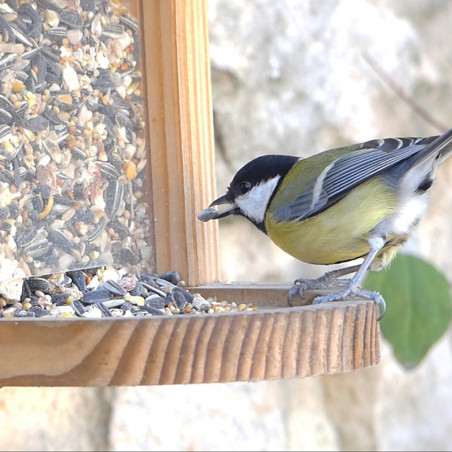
(354,292)
(300,285)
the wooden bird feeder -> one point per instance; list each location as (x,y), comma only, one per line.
(273,342)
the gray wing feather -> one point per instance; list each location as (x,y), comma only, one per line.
(348,171)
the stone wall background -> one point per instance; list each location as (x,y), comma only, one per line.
(289,77)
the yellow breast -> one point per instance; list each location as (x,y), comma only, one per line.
(339,233)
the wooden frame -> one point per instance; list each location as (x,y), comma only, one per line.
(181,131)
(273,342)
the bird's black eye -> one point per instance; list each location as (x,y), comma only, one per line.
(245,187)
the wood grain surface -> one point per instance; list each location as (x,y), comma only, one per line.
(267,344)
(179,105)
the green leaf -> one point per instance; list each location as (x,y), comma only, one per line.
(419,308)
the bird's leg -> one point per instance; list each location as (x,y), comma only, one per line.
(352,285)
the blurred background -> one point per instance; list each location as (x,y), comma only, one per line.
(293,77)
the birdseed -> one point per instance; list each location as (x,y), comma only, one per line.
(110,292)
(72,139)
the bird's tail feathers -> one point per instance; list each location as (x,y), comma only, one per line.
(441,148)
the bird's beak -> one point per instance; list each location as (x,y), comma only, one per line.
(222,200)
(212,214)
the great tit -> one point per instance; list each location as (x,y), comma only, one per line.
(358,201)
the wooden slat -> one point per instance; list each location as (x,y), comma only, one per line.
(181,136)
(267,344)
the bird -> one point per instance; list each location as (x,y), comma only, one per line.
(356,201)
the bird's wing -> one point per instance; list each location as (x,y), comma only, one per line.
(348,171)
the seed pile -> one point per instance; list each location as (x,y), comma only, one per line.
(110,292)
(72,147)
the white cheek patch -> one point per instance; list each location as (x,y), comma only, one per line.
(254,203)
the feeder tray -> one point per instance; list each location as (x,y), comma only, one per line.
(273,342)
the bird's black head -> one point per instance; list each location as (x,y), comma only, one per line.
(259,170)
(253,186)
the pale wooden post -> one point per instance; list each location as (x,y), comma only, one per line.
(181,136)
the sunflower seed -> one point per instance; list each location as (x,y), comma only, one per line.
(41,284)
(155,301)
(113,287)
(37,124)
(96,295)
(103,309)
(37,249)
(26,237)
(60,240)
(70,18)
(113,197)
(152,310)
(78,307)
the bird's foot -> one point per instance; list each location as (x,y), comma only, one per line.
(354,292)
(325,281)
(300,285)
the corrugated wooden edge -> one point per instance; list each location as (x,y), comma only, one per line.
(267,344)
